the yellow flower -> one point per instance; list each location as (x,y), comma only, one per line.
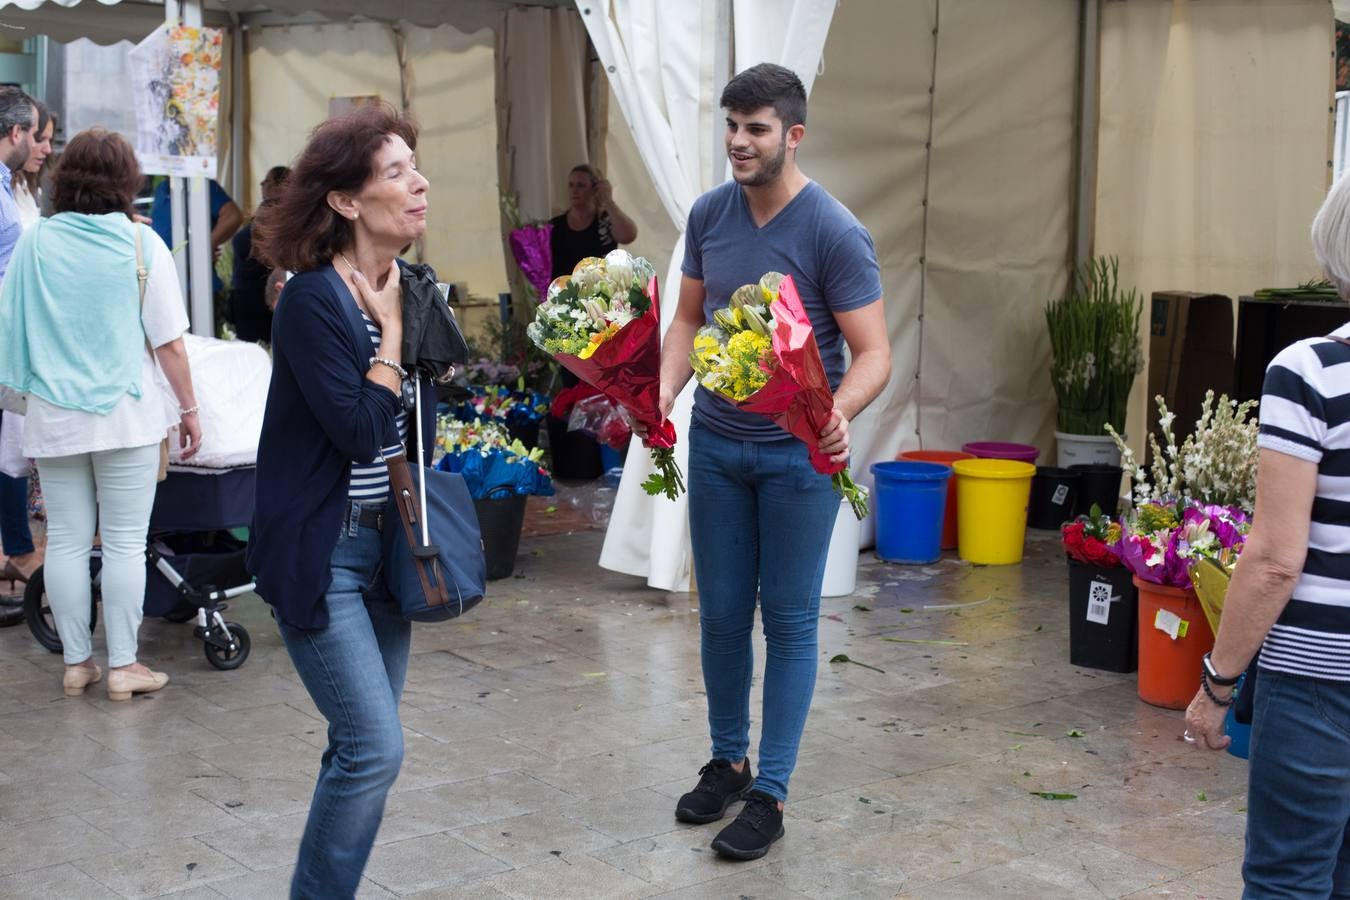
(597,339)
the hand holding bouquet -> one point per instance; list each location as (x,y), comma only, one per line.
(602,323)
(760,353)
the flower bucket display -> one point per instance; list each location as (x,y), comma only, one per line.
(1002,450)
(501,474)
(1174,636)
(992,519)
(1103,601)
(946,457)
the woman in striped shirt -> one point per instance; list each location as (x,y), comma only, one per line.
(1290,600)
(335,411)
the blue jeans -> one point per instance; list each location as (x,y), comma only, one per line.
(15,538)
(1298,803)
(354,671)
(760,520)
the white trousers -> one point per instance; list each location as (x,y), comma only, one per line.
(111,491)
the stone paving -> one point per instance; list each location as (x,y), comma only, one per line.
(550,731)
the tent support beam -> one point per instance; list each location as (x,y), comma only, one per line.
(1085,186)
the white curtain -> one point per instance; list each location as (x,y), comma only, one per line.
(662,62)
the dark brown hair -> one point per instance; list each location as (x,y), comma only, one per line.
(300,231)
(98,173)
(34,179)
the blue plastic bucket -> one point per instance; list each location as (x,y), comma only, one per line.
(1240,735)
(910,500)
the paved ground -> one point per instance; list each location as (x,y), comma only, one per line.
(548,734)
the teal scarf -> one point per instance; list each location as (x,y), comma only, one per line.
(70,323)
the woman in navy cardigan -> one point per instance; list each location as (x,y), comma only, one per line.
(353,202)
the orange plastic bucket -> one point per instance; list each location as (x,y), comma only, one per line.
(1169,669)
(946,457)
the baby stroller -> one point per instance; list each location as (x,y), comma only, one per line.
(194,551)
(194,563)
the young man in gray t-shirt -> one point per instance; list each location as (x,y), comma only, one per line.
(760,517)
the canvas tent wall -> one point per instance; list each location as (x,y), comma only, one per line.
(1213,135)
(1212,158)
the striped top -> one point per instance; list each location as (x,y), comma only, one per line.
(1305,413)
(370,481)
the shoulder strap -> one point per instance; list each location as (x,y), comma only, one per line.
(142,276)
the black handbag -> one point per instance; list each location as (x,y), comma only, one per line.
(433,557)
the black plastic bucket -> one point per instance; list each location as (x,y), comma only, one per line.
(1054,492)
(1103,618)
(576,455)
(527,432)
(500,520)
(1100,484)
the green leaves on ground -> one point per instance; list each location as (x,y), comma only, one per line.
(1074,732)
(1053,795)
(843,658)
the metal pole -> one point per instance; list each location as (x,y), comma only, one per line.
(1086,181)
(238,111)
(201,307)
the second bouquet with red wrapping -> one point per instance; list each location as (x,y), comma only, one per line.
(761,354)
(602,323)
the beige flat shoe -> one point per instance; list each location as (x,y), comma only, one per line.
(123,683)
(77,678)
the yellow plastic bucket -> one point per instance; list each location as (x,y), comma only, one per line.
(991,515)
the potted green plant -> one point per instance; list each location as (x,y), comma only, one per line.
(1095,355)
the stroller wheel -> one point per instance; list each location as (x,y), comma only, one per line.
(38,613)
(225,657)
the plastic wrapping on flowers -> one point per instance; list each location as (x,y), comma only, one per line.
(489,459)
(497,402)
(1161,539)
(603,419)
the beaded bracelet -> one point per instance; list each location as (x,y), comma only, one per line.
(1209,692)
(187,412)
(402,373)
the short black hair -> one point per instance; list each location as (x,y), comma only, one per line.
(767,85)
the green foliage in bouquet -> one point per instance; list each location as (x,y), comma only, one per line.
(1094,347)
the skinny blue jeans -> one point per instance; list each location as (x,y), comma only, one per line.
(15,538)
(760,520)
(1298,792)
(354,671)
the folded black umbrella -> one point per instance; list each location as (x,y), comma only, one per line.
(432,340)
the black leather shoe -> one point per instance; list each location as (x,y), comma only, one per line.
(750,836)
(11,616)
(719,786)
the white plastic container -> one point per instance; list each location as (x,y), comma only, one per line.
(841,564)
(1081,449)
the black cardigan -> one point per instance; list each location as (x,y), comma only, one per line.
(322,413)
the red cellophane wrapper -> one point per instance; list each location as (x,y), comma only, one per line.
(627,369)
(797,396)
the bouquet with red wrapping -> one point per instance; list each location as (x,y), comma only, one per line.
(761,354)
(602,323)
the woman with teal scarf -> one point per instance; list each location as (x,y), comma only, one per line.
(74,335)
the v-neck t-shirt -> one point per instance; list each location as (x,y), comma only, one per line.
(816,240)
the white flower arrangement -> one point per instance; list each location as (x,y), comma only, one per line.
(1216,464)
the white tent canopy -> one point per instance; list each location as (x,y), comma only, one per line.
(110,21)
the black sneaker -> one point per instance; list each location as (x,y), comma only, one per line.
(719,786)
(754,830)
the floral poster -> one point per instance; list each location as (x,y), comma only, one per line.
(176,72)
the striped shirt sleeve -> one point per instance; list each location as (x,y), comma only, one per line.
(1293,405)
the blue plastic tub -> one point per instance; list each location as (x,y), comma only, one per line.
(1239,734)
(910,500)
